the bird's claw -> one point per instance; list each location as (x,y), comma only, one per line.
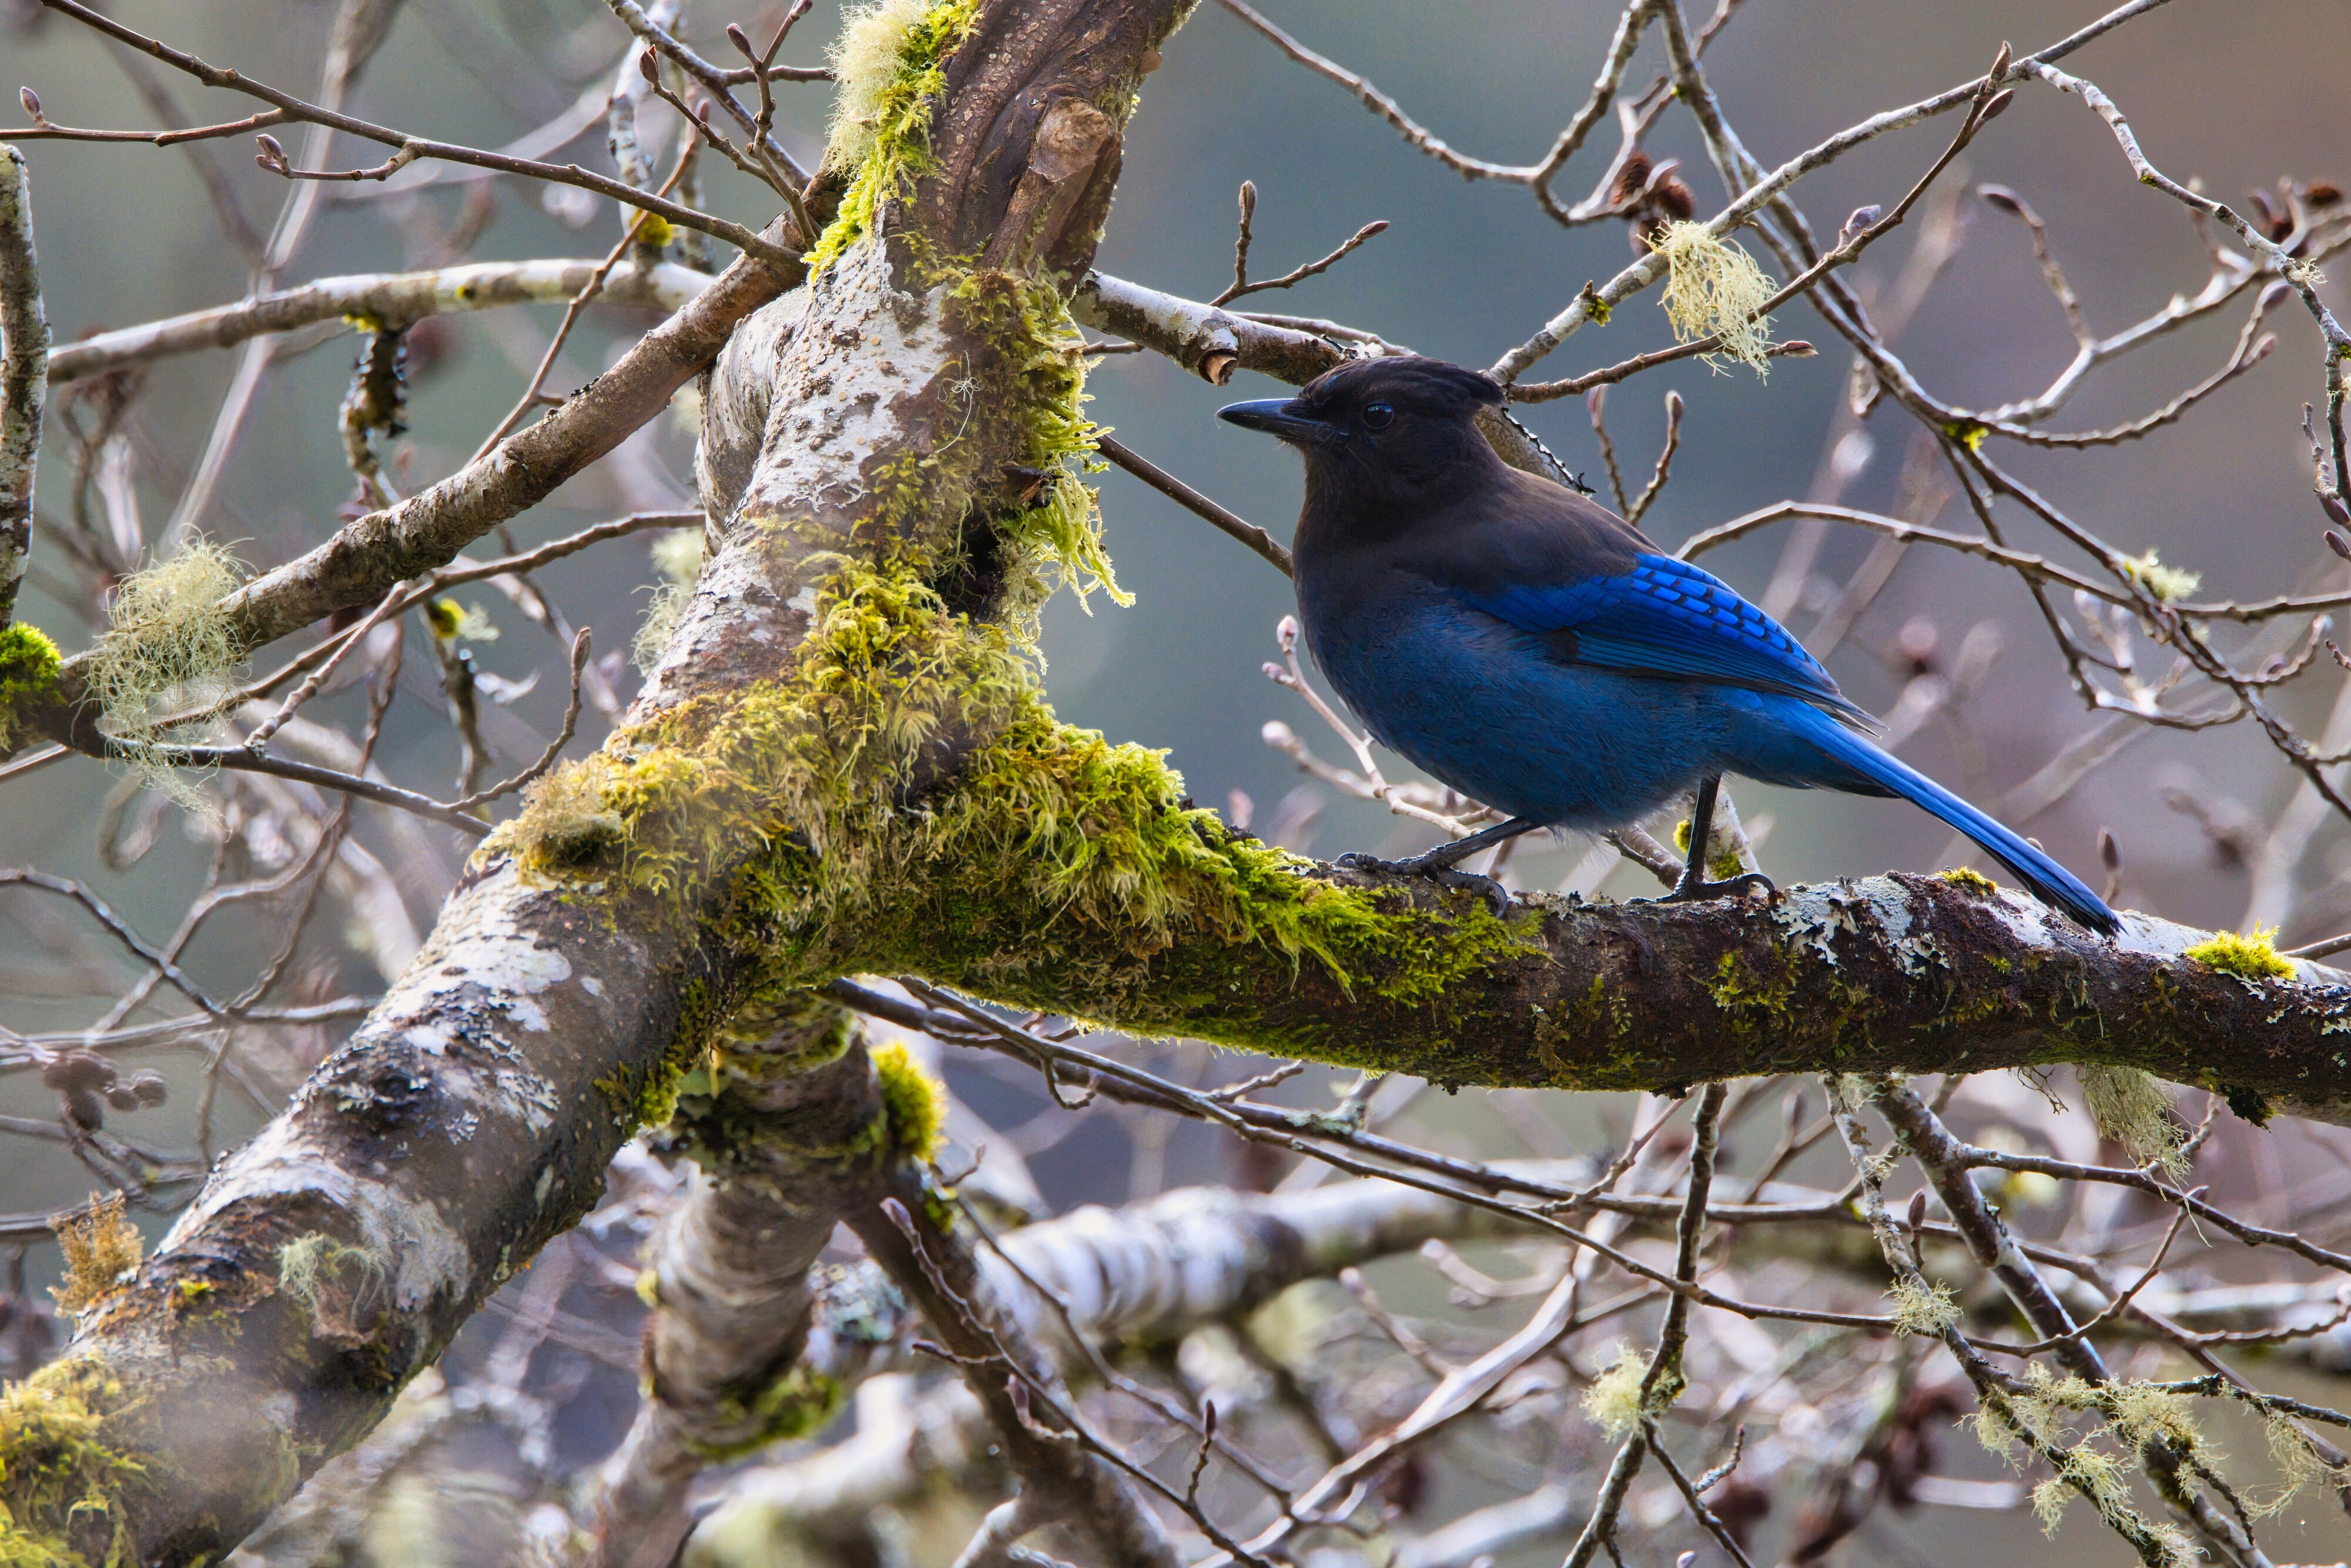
(1497,896)
(1696,889)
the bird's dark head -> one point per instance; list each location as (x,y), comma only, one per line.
(1383,426)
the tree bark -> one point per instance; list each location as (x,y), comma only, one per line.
(842,764)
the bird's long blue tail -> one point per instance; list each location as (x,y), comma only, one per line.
(2049,882)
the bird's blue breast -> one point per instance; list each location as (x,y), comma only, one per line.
(1486,708)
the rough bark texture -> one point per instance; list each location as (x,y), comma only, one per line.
(24,378)
(392,299)
(842,764)
(471,1116)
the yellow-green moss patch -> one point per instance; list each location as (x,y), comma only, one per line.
(2254,955)
(28,677)
(62,1483)
(1969,880)
(913,1103)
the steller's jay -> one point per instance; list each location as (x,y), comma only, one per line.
(1535,652)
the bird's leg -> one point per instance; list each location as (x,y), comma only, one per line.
(1437,864)
(1693,886)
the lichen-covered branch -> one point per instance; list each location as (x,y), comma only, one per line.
(362,561)
(1143,1275)
(393,299)
(24,376)
(781,1136)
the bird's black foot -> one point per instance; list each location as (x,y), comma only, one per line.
(1698,890)
(1440,869)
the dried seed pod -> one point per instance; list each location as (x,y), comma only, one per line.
(149,1088)
(1631,176)
(69,1070)
(121,1098)
(2322,193)
(1673,198)
(84,1108)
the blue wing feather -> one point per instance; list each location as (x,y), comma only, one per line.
(1672,619)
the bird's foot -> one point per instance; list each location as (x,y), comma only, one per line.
(1698,890)
(1439,870)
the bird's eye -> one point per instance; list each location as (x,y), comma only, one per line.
(1378,416)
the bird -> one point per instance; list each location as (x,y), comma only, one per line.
(1533,651)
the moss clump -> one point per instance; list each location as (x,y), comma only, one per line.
(1722,860)
(2253,955)
(891,65)
(1714,288)
(62,1484)
(28,676)
(1971,882)
(798,1405)
(100,1245)
(913,1103)
(2165,582)
(564,822)
(168,646)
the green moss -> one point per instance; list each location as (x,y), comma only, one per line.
(28,677)
(913,1103)
(1722,861)
(2253,955)
(1755,1004)
(798,1405)
(1973,881)
(62,1482)
(882,122)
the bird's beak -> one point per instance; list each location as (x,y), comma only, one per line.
(1282,418)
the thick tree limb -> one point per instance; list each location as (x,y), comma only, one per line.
(471,1116)
(24,376)
(393,298)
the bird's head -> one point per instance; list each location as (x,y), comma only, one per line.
(1384,426)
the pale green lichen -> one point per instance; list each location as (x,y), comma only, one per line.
(308,1262)
(1713,287)
(2253,955)
(169,646)
(2165,582)
(2131,1108)
(1922,1309)
(28,677)
(1613,1402)
(677,557)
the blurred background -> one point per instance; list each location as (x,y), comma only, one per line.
(2236,97)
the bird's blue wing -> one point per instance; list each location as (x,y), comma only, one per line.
(1669,619)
